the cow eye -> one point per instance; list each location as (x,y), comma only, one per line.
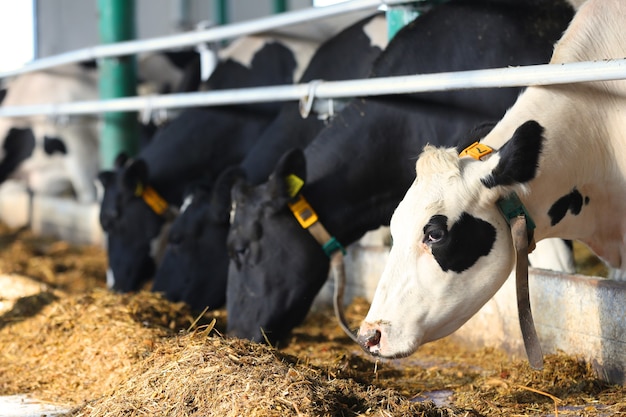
(434,236)
(435,230)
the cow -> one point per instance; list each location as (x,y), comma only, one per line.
(195,264)
(355,172)
(52,156)
(142,194)
(59,155)
(559,149)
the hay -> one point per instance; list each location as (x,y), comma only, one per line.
(76,347)
(196,375)
(76,344)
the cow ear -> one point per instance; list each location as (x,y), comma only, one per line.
(106,178)
(134,176)
(120,160)
(517,161)
(475,134)
(221,197)
(289,175)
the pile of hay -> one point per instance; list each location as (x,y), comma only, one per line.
(76,344)
(124,355)
(199,375)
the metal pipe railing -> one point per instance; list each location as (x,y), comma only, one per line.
(498,77)
(197,37)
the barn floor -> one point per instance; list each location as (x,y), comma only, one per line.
(70,342)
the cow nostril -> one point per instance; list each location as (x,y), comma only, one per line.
(374,339)
(370,339)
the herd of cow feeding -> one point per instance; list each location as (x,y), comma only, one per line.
(356,168)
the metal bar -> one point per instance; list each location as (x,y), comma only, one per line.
(120,130)
(545,74)
(194,38)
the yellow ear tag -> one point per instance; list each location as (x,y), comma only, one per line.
(139,189)
(294,184)
(476,150)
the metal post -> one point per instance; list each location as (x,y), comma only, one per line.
(221,12)
(120,130)
(280,6)
(400,16)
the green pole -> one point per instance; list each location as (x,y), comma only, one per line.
(280,6)
(221,12)
(403,14)
(118,75)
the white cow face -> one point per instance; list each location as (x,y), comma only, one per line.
(452,248)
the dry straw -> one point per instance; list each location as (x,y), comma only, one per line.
(107,354)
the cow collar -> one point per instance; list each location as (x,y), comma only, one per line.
(522,231)
(155,201)
(510,206)
(308,220)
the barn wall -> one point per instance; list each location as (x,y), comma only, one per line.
(65,25)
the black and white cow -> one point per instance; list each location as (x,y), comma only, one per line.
(560,148)
(195,265)
(168,72)
(32,148)
(60,155)
(142,193)
(357,169)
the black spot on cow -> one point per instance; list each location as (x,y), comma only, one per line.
(18,146)
(3,93)
(519,157)
(54,145)
(458,249)
(572,202)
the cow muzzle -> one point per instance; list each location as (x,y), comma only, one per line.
(369,338)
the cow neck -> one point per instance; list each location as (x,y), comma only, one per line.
(361,166)
(522,229)
(192,146)
(157,203)
(308,220)
(510,206)
(561,175)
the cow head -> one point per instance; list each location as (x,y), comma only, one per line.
(276,267)
(130,223)
(195,264)
(452,247)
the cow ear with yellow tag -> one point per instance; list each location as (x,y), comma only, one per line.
(134,177)
(289,176)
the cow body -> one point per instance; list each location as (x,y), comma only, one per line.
(560,148)
(45,169)
(64,157)
(189,147)
(357,169)
(195,265)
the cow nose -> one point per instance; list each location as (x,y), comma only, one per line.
(369,337)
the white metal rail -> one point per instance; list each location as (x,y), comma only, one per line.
(197,37)
(498,77)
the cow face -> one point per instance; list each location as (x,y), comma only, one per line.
(269,288)
(195,264)
(452,248)
(130,224)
